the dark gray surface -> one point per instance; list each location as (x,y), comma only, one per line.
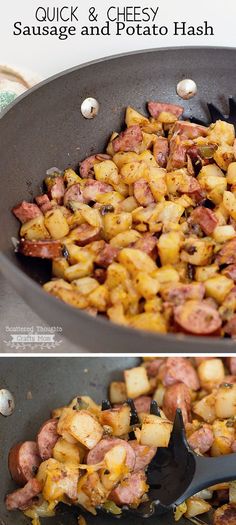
(45,128)
(53,382)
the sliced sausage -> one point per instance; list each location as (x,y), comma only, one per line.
(74,193)
(179,369)
(230,272)
(144,455)
(227,254)
(128,140)
(47,438)
(178,154)
(198,318)
(100,274)
(161,151)
(26,211)
(93,188)
(130,490)
(177,396)
(96,455)
(190,130)
(106,256)
(231,363)
(147,243)
(23,498)
(143,403)
(153,366)
(57,189)
(201,440)
(24,461)
(205,218)
(178,293)
(43,249)
(155,108)
(44,203)
(143,193)
(84,234)
(87,166)
(230,327)
(225,515)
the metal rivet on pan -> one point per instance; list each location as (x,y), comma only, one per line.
(7,402)
(90,108)
(186,88)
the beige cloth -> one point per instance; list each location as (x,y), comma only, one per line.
(14,82)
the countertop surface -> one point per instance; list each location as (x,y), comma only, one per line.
(17,318)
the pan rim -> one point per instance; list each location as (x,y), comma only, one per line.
(8,267)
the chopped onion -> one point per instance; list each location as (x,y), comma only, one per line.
(180,511)
(42,510)
(232,492)
(204,494)
(110,506)
(53,170)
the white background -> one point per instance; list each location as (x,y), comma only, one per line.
(48,55)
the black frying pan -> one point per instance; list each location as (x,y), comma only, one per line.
(46,128)
(52,383)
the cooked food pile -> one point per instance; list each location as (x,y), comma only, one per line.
(145,234)
(91,457)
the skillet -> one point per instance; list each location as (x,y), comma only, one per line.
(52,383)
(46,128)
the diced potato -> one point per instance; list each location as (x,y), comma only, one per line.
(211,373)
(205,408)
(210,170)
(231,173)
(112,198)
(148,158)
(118,419)
(169,245)
(220,132)
(83,268)
(99,298)
(56,284)
(166,274)
(197,251)
(166,117)
(59,265)
(212,179)
(125,157)
(91,216)
(59,480)
(135,260)
(116,275)
(156,178)
(106,172)
(223,156)
(85,402)
(110,149)
(153,322)
(83,426)
(155,431)
(196,506)
(168,212)
(85,285)
(224,233)
(218,287)
(225,406)
(128,205)
(116,314)
(115,461)
(133,171)
(56,223)
(71,178)
(146,286)
(115,223)
(117,392)
(74,251)
(70,296)
(68,453)
(158,395)
(132,117)
(34,230)
(223,438)
(202,273)
(136,381)
(229,201)
(124,239)
(153,305)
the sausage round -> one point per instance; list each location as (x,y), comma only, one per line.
(26,211)
(179,370)
(130,490)
(42,249)
(22,498)
(143,403)
(177,396)
(197,318)
(97,453)
(24,461)
(47,438)
(225,515)
(155,108)
(144,455)
(202,439)
(128,140)
(87,166)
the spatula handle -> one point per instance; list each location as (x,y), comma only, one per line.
(210,471)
